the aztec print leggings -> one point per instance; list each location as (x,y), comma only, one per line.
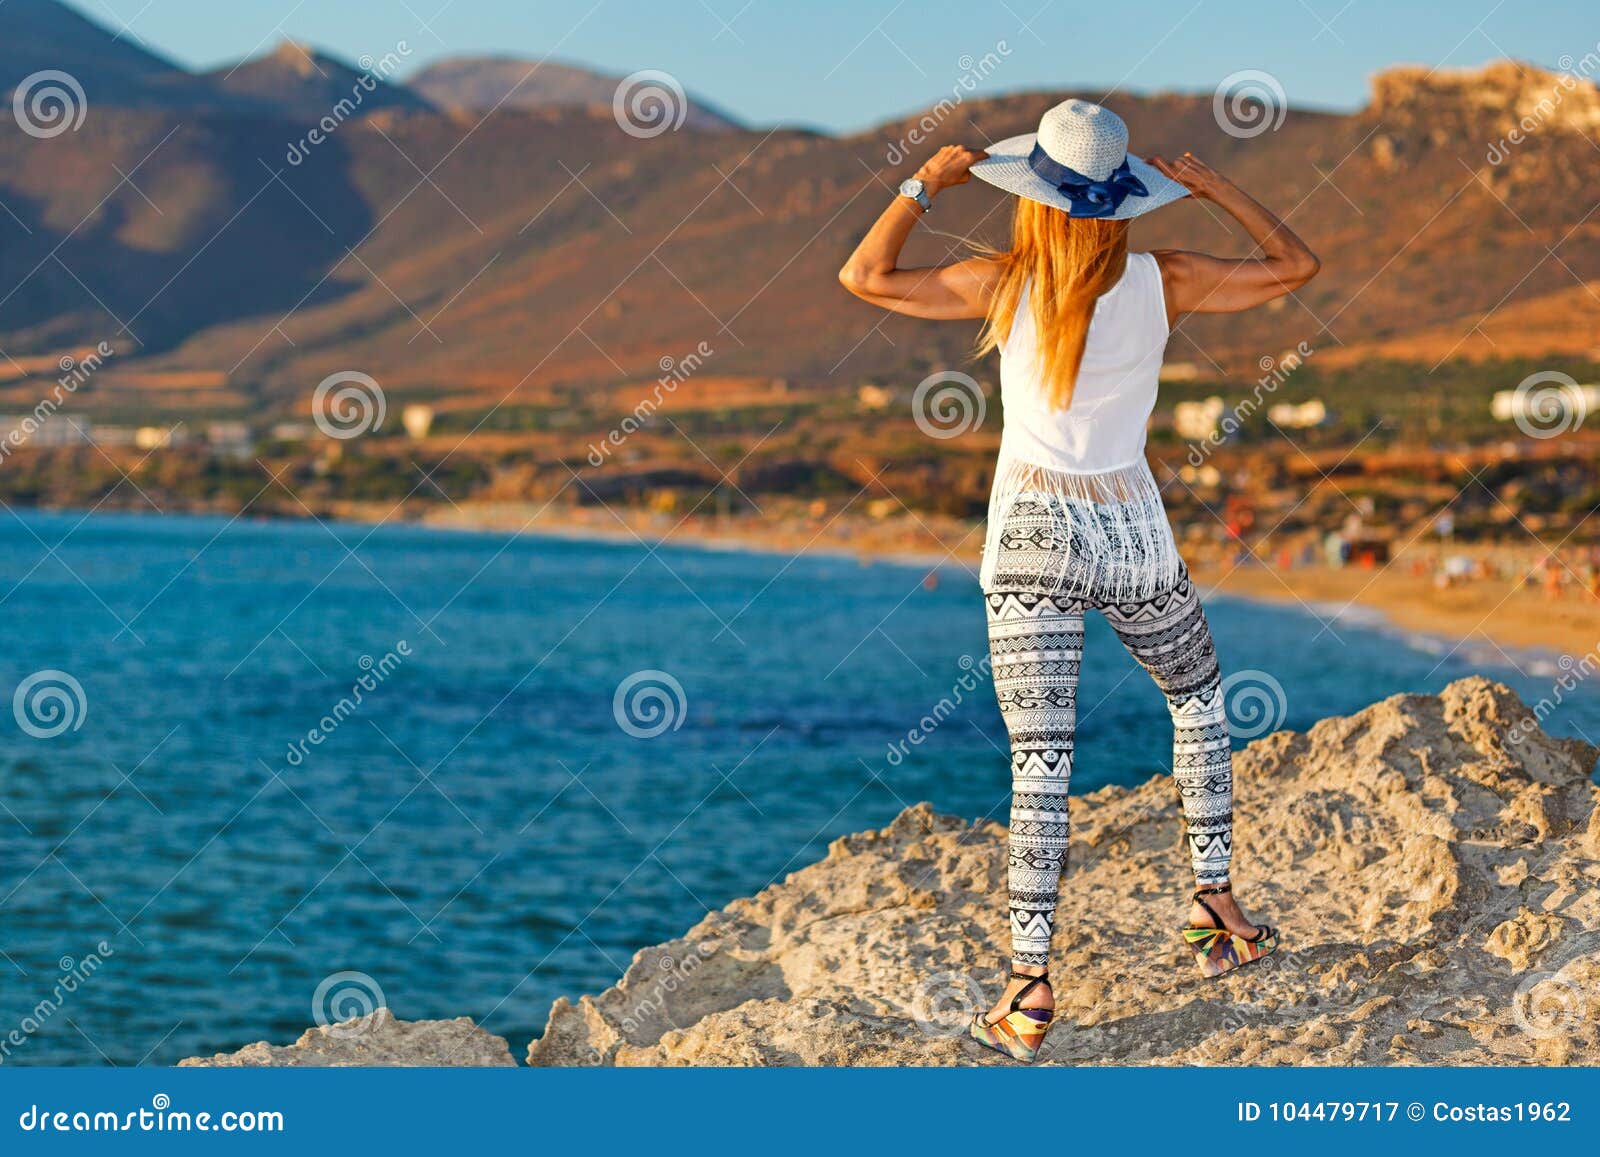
(1036,649)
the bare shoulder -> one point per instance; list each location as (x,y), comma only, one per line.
(1190,280)
(981,270)
(1177,265)
(1177,268)
(974,278)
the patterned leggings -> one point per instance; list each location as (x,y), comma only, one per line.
(1036,649)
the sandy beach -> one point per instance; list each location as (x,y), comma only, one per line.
(1491,614)
(1506,619)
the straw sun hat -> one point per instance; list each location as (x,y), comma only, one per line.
(1078,161)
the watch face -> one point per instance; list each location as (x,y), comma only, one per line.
(911,187)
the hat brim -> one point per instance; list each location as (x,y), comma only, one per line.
(1007,168)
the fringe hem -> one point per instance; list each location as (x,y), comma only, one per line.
(1102,535)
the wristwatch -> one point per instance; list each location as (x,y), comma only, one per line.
(913,187)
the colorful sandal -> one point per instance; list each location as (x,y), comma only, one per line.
(1218,950)
(1020,1033)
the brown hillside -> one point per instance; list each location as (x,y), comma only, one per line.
(444,253)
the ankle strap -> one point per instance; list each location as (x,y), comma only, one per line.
(1214,890)
(1033,982)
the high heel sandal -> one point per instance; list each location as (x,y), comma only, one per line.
(1018,1034)
(1217,949)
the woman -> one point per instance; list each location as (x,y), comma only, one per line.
(1075,517)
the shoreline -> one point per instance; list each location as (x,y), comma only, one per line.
(857,543)
(1485,623)
(1510,627)
(1489,621)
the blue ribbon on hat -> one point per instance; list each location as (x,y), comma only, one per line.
(1087,198)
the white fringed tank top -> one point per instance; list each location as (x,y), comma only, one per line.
(1074,508)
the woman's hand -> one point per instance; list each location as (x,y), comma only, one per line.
(961,289)
(949,166)
(1202,181)
(1201,283)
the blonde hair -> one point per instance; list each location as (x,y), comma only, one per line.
(1065,263)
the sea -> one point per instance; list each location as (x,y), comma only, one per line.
(262,775)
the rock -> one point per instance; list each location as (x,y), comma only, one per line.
(1418,856)
(1417,102)
(375,1040)
(1520,940)
(1386,152)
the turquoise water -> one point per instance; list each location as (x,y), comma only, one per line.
(479,835)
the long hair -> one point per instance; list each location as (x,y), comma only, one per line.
(1065,263)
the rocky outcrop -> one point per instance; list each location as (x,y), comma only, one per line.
(1433,863)
(1504,92)
(377,1039)
(1432,868)
(1494,110)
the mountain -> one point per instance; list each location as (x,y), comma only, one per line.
(291,81)
(481,83)
(40,35)
(300,83)
(469,256)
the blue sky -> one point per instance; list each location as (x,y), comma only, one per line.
(847,64)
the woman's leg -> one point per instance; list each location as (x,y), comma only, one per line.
(1035,651)
(1169,637)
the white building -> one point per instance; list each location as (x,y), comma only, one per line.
(418,420)
(160,437)
(874,398)
(43,432)
(1298,416)
(1546,401)
(115,435)
(230,439)
(1197,421)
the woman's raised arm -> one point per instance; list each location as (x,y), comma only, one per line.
(1201,283)
(943,292)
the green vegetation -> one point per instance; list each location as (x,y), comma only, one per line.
(1399,442)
